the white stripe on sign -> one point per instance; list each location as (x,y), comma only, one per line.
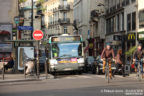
(37,34)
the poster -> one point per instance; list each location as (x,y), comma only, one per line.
(24,54)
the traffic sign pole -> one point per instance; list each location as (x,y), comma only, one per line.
(38,35)
(38,59)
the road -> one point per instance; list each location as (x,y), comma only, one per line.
(76,85)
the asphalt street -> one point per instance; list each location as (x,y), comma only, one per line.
(76,85)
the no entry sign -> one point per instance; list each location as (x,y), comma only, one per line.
(38,35)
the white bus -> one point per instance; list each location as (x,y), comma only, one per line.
(65,53)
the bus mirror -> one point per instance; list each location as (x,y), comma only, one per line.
(84,45)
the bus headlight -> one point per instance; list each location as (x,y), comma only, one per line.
(53,62)
(81,60)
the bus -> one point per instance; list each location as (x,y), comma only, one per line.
(65,53)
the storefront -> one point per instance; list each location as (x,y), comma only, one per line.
(141,37)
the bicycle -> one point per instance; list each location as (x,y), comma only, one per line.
(107,71)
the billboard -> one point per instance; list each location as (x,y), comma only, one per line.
(5,47)
(24,54)
(5,32)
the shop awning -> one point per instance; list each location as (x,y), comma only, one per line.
(4,32)
(20,41)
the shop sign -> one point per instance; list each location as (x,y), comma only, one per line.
(131,37)
(141,35)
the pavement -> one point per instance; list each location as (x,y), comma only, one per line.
(21,77)
(75,85)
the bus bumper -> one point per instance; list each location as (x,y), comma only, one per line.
(67,67)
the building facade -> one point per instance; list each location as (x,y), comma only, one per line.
(58,17)
(121,16)
(88,19)
(26,10)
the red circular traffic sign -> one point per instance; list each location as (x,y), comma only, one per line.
(38,35)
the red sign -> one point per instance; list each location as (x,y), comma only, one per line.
(38,35)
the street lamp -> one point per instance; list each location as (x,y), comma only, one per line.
(32,19)
(16,19)
(137,24)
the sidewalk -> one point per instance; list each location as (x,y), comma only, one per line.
(20,78)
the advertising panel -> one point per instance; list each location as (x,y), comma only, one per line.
(24,54)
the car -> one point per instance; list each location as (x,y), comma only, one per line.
(90,64)
(42,61)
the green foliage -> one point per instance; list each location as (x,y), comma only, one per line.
(22,1)
(130,51)
(41,7)
(41,1)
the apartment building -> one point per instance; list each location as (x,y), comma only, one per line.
(82,18)
(88,22)
(121,16)
(58,17)
(140,20)
(27,15)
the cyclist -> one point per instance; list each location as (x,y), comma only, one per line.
(107,53)
(139,56)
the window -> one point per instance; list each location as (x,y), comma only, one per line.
(112,24)
(65,29)
(123,2)
(65,15)
(107,26)
(65,3)
(141,18)
(133,1)
(134,21)
(118,22)
(127,2)
(123,21)
(128,22)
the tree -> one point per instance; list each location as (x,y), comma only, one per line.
(41,5)
(40,1)
(22,1)
(130,51)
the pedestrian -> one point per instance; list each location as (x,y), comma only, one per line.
(119,62)
(10,63)
(29,66)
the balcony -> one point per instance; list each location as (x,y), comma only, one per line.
(64,21)
(64,8)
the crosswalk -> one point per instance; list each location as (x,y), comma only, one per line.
(89,76)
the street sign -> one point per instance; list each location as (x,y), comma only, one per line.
(25,28)
(38,35)
(16,19)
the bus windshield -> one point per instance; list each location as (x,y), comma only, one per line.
(66,50)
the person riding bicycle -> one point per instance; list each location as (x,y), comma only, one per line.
(107,53)
(139,56)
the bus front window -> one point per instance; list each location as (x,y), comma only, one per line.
(64,50)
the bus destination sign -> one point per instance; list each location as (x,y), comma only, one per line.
(66,39)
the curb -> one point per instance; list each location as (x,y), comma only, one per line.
(20,80)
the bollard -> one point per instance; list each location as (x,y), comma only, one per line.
(3,69)
(46,70)
(24,71)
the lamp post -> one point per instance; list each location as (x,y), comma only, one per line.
(32,19)
(137,22)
